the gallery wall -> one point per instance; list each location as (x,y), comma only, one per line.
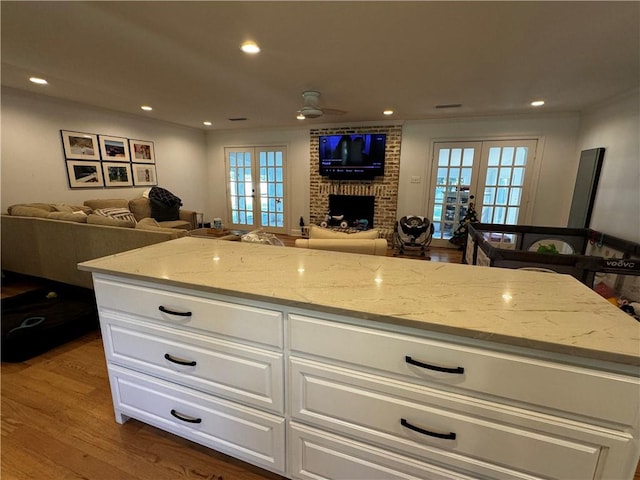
(33,167)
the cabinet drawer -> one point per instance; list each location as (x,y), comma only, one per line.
(318,455)
(374,409)
(592,393)
(239,431)
(228,319)
(250,375)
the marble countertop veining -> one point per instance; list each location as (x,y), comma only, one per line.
(547,312)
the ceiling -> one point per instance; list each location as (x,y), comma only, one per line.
(183,58)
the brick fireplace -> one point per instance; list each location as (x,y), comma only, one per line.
(383,189)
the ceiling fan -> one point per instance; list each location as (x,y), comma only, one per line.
(311,109)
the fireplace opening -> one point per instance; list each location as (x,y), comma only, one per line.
(355,208)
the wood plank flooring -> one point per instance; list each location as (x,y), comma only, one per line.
(57,420)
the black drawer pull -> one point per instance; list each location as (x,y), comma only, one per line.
(457,370)
(180,314)
(185,418)
(445,436)
(180,361)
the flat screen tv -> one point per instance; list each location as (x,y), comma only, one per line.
(357,156)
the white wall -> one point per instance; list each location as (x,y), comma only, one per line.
(33,167)
(556,157)
(616,127)
(190,163)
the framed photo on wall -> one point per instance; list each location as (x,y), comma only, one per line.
(83,174)
(142,151)
(114,149)
(117,174)
(79,145)
(144,174)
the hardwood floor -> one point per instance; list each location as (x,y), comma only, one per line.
(57,420)
(58,424)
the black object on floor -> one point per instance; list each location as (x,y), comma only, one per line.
(36,321)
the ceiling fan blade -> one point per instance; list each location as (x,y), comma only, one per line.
(333,111)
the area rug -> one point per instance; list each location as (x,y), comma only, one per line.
(39,320)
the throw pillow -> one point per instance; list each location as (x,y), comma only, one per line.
(78,217)
(117,214)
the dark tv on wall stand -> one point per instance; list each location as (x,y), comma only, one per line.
(358,156)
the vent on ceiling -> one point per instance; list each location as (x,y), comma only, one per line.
(449,105)
(237,119)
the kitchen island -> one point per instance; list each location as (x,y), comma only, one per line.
(318,364)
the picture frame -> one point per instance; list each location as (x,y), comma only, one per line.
(80,145)
(114,149)
(117,174)
(142,151)
(84,174)
(144,174)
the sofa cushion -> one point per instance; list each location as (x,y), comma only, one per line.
(107,203)
(151,224)
(140,208)
(181,224)
(42,206)
(316,232)
(79,217)
(28,211)
(96,219)
(61,207)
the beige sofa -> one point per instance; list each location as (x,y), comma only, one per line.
(367,242)
(49,240)
(141,208)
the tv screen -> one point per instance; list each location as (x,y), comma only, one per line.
(355,156)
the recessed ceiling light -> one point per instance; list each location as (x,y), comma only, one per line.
(537,103)
(250,47)
(208,124)
(146,108)
(387,112)
(39,81)
(300,116)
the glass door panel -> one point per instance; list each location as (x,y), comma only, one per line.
(241,191)
(272,190)
(505,182)
(452,186)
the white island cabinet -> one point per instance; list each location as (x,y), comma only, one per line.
(322,365)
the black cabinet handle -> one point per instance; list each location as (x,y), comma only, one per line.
(170,312)
(445,436)
(179,361)
(185,418)
(456,370)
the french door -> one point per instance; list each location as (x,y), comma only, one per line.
(256,188)
(496,176)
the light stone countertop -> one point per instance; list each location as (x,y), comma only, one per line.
(548,312)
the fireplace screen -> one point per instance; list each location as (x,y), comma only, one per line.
(355,208)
